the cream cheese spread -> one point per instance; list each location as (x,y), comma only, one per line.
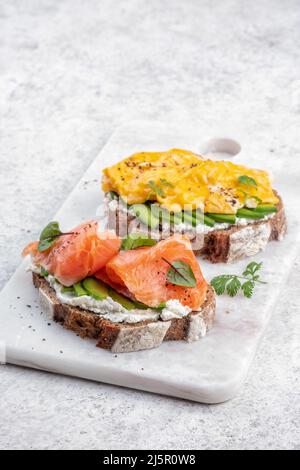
(111,310)
(174,309)
(185,227)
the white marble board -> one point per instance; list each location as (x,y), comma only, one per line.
(209,371)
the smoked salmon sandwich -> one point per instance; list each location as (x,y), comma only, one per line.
(229,211)
(128,294)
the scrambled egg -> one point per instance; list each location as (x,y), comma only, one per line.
(179,179)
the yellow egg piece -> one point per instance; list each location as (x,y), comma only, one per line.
(182,180)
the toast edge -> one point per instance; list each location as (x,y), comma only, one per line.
(222,246)
(120,337)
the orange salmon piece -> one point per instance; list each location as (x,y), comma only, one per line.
(144,273)
(78,255)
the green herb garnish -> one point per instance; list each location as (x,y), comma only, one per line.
(49,235)
(165,182)
(249,196)
(180,274)
(232,284)
(156,189)
(247,181)
(161,306)
(44,272)
(136,240)
(67,290)
(113,196)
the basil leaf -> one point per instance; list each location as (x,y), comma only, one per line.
(156,189)
(247,180)
(181,274)
(136,240)
(50,231)
(44,245)
(48,236)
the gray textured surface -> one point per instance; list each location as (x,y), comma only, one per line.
(70,72)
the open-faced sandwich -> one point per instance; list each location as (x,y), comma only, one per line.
(128,294)
(228,211)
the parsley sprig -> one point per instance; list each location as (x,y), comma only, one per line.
(232,284)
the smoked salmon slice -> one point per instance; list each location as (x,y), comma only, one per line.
(120,288)
(144,273)
(75,256)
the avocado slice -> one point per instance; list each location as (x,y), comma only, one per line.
(95,288)
(143,213)
(266,208)
(249,214)
(120,299)
(200,218)
(140,305)
(165,215)
(79,290)
(66,290)
(223,218)
(113,196)
(161,306)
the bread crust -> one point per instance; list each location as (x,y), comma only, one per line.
(220,246)
(125,337)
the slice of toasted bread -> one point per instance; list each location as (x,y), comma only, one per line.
(126,337)
(218,246)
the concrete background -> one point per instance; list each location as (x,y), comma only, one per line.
(70,72)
